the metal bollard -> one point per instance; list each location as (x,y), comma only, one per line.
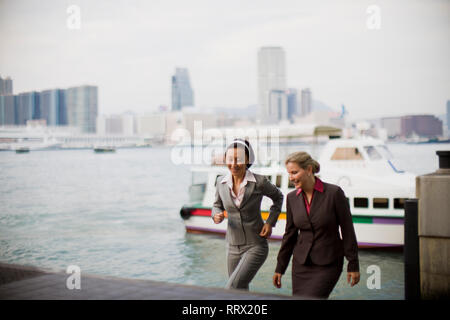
(411,250)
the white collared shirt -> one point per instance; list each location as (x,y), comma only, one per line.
(228,179)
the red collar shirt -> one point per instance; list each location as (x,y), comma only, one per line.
(318,186)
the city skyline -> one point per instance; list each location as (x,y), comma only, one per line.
(400,68)
(75,106)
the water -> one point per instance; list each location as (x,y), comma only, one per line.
(118,215)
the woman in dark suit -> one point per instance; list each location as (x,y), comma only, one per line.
(315,211)
(240,193)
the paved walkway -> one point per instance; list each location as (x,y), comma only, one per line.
(25,283)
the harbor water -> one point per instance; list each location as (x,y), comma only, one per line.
(117,214)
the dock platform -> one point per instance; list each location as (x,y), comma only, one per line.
(29,283)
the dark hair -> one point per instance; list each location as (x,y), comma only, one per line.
(242,144)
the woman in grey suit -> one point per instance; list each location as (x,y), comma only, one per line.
(240,193)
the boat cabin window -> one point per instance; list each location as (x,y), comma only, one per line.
(198,187)
(373,153)
(278,182)
(380,203)
(347,154)
(361,202)
(399,203)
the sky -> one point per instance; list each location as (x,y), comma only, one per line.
(389,62)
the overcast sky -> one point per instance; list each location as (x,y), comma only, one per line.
(130,49)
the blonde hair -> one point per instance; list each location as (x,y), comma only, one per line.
(303,160)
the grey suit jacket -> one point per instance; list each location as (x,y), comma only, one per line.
(245,223)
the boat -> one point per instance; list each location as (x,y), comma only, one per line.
(104,149)
(22,149)
(364,168)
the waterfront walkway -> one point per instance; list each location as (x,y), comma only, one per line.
(28,283)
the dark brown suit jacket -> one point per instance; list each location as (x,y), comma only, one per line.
(317,235)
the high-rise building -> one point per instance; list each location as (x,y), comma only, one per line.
(278,105)
(292,103)
(50,106)
(182,93)
(2,110)
(8,114)
(82,109)
(271,76)
(306,102)
(6,86)
(421,125)
(62,107)
(27,107)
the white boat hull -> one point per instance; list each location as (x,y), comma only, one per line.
(379,233)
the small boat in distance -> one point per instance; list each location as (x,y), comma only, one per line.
(22,150)
(104,149)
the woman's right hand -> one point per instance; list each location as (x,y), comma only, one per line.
(277,280)
(218,217)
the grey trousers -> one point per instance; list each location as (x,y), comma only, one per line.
(244,262)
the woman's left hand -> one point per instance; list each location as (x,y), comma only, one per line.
(266,231)
(353,277)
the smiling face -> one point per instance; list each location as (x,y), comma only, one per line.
(299,176)
(236,161)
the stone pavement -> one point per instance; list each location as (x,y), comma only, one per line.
(28,283)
